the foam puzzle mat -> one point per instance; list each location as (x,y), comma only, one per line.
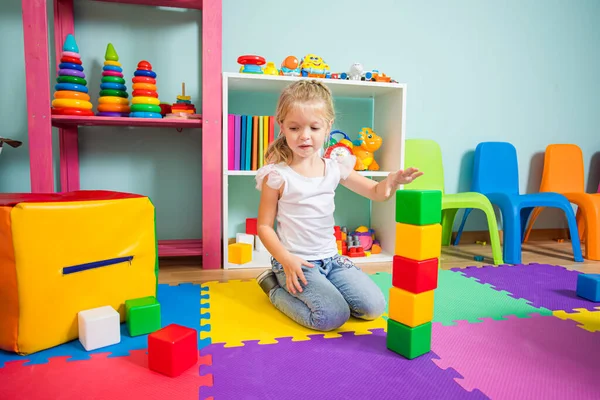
(493,337)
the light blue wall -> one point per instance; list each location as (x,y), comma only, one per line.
(521,71)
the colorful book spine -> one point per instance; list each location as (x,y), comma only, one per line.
(249,137)
(414,271)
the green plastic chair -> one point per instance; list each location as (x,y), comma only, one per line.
(426,155)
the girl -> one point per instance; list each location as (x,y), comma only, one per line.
(309,281)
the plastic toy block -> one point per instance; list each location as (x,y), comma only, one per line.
(406,341)
(410,309)
(244,238)
(240,253)
(258,244)
(418,242)
(419,207)
(588,287)
(99,327)
(172,350)
(415,276)
(143,315)
(252,226)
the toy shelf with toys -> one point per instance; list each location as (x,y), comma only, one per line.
(361,105)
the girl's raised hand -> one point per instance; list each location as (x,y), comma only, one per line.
(293,270)
(401,177)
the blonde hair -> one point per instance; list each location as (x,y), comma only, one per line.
(299,92)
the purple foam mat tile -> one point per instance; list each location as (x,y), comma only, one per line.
(542,357)
(350,367)
(549,286)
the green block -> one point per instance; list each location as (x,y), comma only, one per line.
(406,341)
(419,207)
(143,315)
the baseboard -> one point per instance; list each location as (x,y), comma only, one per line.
(536,235)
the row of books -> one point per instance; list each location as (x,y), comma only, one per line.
(249,137)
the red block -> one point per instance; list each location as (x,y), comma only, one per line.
(172,349)
(252,226)
(414,276)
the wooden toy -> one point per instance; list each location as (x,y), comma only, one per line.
(414,273)
(588,287)
(99,327)
(148,105)
(172,350)
(71,78)
(183,103)
(142,315)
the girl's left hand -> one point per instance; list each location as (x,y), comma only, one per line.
(401,177)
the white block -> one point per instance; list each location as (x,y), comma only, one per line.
(99,327)
(244,238)
(258,244)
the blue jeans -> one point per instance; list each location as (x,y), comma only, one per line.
(336,289)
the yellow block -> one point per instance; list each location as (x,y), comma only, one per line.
(51,236)
(239,253)
(418,242)
(410,309)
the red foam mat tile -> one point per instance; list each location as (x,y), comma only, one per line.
(102,377)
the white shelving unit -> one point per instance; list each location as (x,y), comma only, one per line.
(389,121)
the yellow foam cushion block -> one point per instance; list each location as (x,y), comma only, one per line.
(241,311)
(409,308)
(418,242)
(588,320)
(239,253)
(47,237)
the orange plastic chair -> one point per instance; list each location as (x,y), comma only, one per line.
(564,173)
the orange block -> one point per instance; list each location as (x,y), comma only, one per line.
(418,242)
(239,253)
(410,309)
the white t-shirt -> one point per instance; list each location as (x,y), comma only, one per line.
(305,209)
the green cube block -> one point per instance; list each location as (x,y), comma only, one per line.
(419,207)
(143,315)
(406,341)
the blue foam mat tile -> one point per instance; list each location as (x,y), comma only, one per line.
(180,304)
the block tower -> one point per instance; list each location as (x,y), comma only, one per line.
(414,271)
(113,100)
(145,102)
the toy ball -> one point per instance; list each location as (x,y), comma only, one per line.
(290,62)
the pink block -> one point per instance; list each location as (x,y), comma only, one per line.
(540,357)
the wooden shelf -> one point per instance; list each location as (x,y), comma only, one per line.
(68,121)
(180,248)
(192,4)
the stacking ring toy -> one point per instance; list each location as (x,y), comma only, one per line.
(67,94)
(138,114)
(71,54)
(113,114)
(71,103)
(70,66)
(113,63)
(145,100)
(143,79)
(144,93)
(112,73)
(112,68)
(113,107)
(113,86)
(145,108)
(111,92)
(70,60)
(71,86)
(72,111)
(71,72)
(113,79)
(143,72)
(144,86)
(71,79)
(112,100)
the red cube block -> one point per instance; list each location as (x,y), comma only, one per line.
(414,276)
(252,226)
(172,349)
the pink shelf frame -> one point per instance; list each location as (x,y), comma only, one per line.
(40,120)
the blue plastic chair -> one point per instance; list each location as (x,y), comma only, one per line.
(496,175)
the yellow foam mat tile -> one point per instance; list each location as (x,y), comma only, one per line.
(241,311)
(588,320)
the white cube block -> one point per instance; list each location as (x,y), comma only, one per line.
(258,244)
(99,327)
(244,238)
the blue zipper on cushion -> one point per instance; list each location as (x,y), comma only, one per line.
(96,264)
